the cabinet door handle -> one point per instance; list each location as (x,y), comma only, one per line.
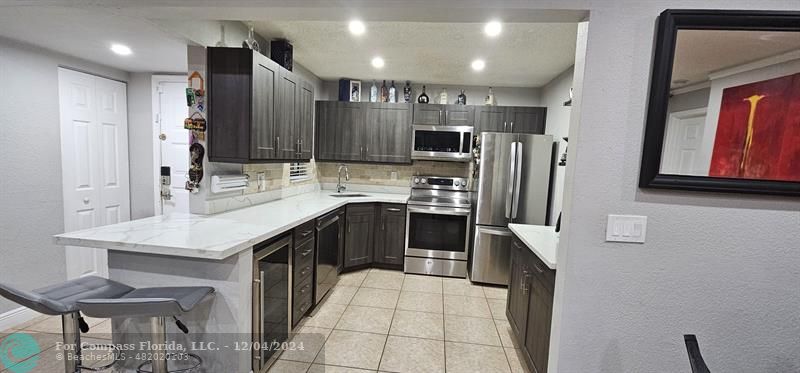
(537,268)
(512,126)
(307,252)
(440,117)
(305,270)
(348,227)
(393,209)
(445,118)
(383,223)
(504,126)
(306,233)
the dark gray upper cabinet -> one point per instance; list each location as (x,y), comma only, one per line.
(359,234)
(517,119)
(254,111)
(449,115)
(490,119)
(391,234)
(363,132)
(388,129)
(306,120)
(526,119)
(339,131)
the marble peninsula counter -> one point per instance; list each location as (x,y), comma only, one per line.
(541,240)
(204,250)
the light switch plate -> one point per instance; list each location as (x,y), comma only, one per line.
(626,228)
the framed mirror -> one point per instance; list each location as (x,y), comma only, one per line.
(724,105)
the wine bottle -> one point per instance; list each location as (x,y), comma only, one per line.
(462,98)
(443,97)
(384,92)
(407,92)
(490,97)
(373,92)
(423,98)
(392,93)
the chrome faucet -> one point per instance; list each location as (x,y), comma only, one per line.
(339,186)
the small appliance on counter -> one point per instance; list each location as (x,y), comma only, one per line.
(437,226)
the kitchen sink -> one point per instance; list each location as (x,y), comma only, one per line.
(342,195)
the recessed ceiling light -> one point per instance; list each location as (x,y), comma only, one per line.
(122,50)
(377,62)
(493,28)
(478,65)
(357,27)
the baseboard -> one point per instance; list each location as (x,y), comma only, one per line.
(17,317)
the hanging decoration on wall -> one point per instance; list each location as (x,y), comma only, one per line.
(195,122)
(563,161)
(196,154)
(201,91)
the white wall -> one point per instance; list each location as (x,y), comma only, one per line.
(30,164)
(554,94)
(722,266)
(505,96)
(140,145)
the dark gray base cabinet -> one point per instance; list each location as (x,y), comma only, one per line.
(257,111)
(374,234)
(529,307)
(390,238)
(303,270)
(359,234)
(512,119)
(363,132)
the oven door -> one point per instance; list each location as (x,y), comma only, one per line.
(437,232)
(444,143)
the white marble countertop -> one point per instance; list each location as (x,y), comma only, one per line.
(542,240)
(215,236)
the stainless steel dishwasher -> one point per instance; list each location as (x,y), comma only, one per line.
(330,244)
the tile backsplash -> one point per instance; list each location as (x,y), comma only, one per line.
(382,174)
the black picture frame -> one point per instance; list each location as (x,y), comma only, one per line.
(669,22)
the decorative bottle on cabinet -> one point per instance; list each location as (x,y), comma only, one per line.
(423,98)
(392,93)
(407,92)
(490,98)
(373,92)
(443,97)
(384,92)
(462,98)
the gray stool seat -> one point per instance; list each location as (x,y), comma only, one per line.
(147,302)
(62,298)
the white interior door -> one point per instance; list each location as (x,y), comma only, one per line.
(682,143)
(173,147)
(94,161)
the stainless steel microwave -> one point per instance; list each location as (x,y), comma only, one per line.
(442,143)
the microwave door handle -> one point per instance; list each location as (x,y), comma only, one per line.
(511,176)
(518,175)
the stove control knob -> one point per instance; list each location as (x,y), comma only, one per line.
(457,183)
(416,180)
(424,180)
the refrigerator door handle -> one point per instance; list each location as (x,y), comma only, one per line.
(511,180)
(518,182)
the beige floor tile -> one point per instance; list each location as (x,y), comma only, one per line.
(424,284)
(33,321)
(381,298)
(352,349)
(100,331)
(418,324)
(506,334)
(459,286)
(384,279)
(341,294)
(308,340)
(466,306)
(354,278)
(286,366)
(44,341)
(316,368)
(425,302)
(516,361)
(48,325)
(498,308)
(470,330)
(326,316)
(495,292)
(413,355)
(366,319)
(470,358)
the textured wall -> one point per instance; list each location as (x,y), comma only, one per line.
(140,145)
(30,166)
(723,266)
(553,96)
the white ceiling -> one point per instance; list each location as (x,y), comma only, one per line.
(88,33)
(701,52)
(524,55)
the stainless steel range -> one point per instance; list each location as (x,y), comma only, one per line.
(437,226)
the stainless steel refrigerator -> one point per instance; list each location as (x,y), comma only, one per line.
(513,186)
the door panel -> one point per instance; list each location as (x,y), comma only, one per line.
(683,142)
(490,119)
(390,238)
(540,311)
(535,156)
(359,235)
(494,178)
(492,250)
(262,131)
(388,133)
(459,115)
(428,114)
(526,120)
(306,120)
(94,156)
(517,300)
(340,131)
(286,128)
(174,149)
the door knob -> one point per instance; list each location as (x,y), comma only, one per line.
(162,137)
(86,200)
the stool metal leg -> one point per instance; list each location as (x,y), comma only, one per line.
(158,331)
(72,342)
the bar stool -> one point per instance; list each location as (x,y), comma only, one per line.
(157,303)
(61,299)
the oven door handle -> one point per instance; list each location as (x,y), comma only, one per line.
(439,210)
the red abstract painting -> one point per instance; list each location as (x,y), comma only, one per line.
(758,131)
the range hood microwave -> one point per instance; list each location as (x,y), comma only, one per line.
(442,143)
